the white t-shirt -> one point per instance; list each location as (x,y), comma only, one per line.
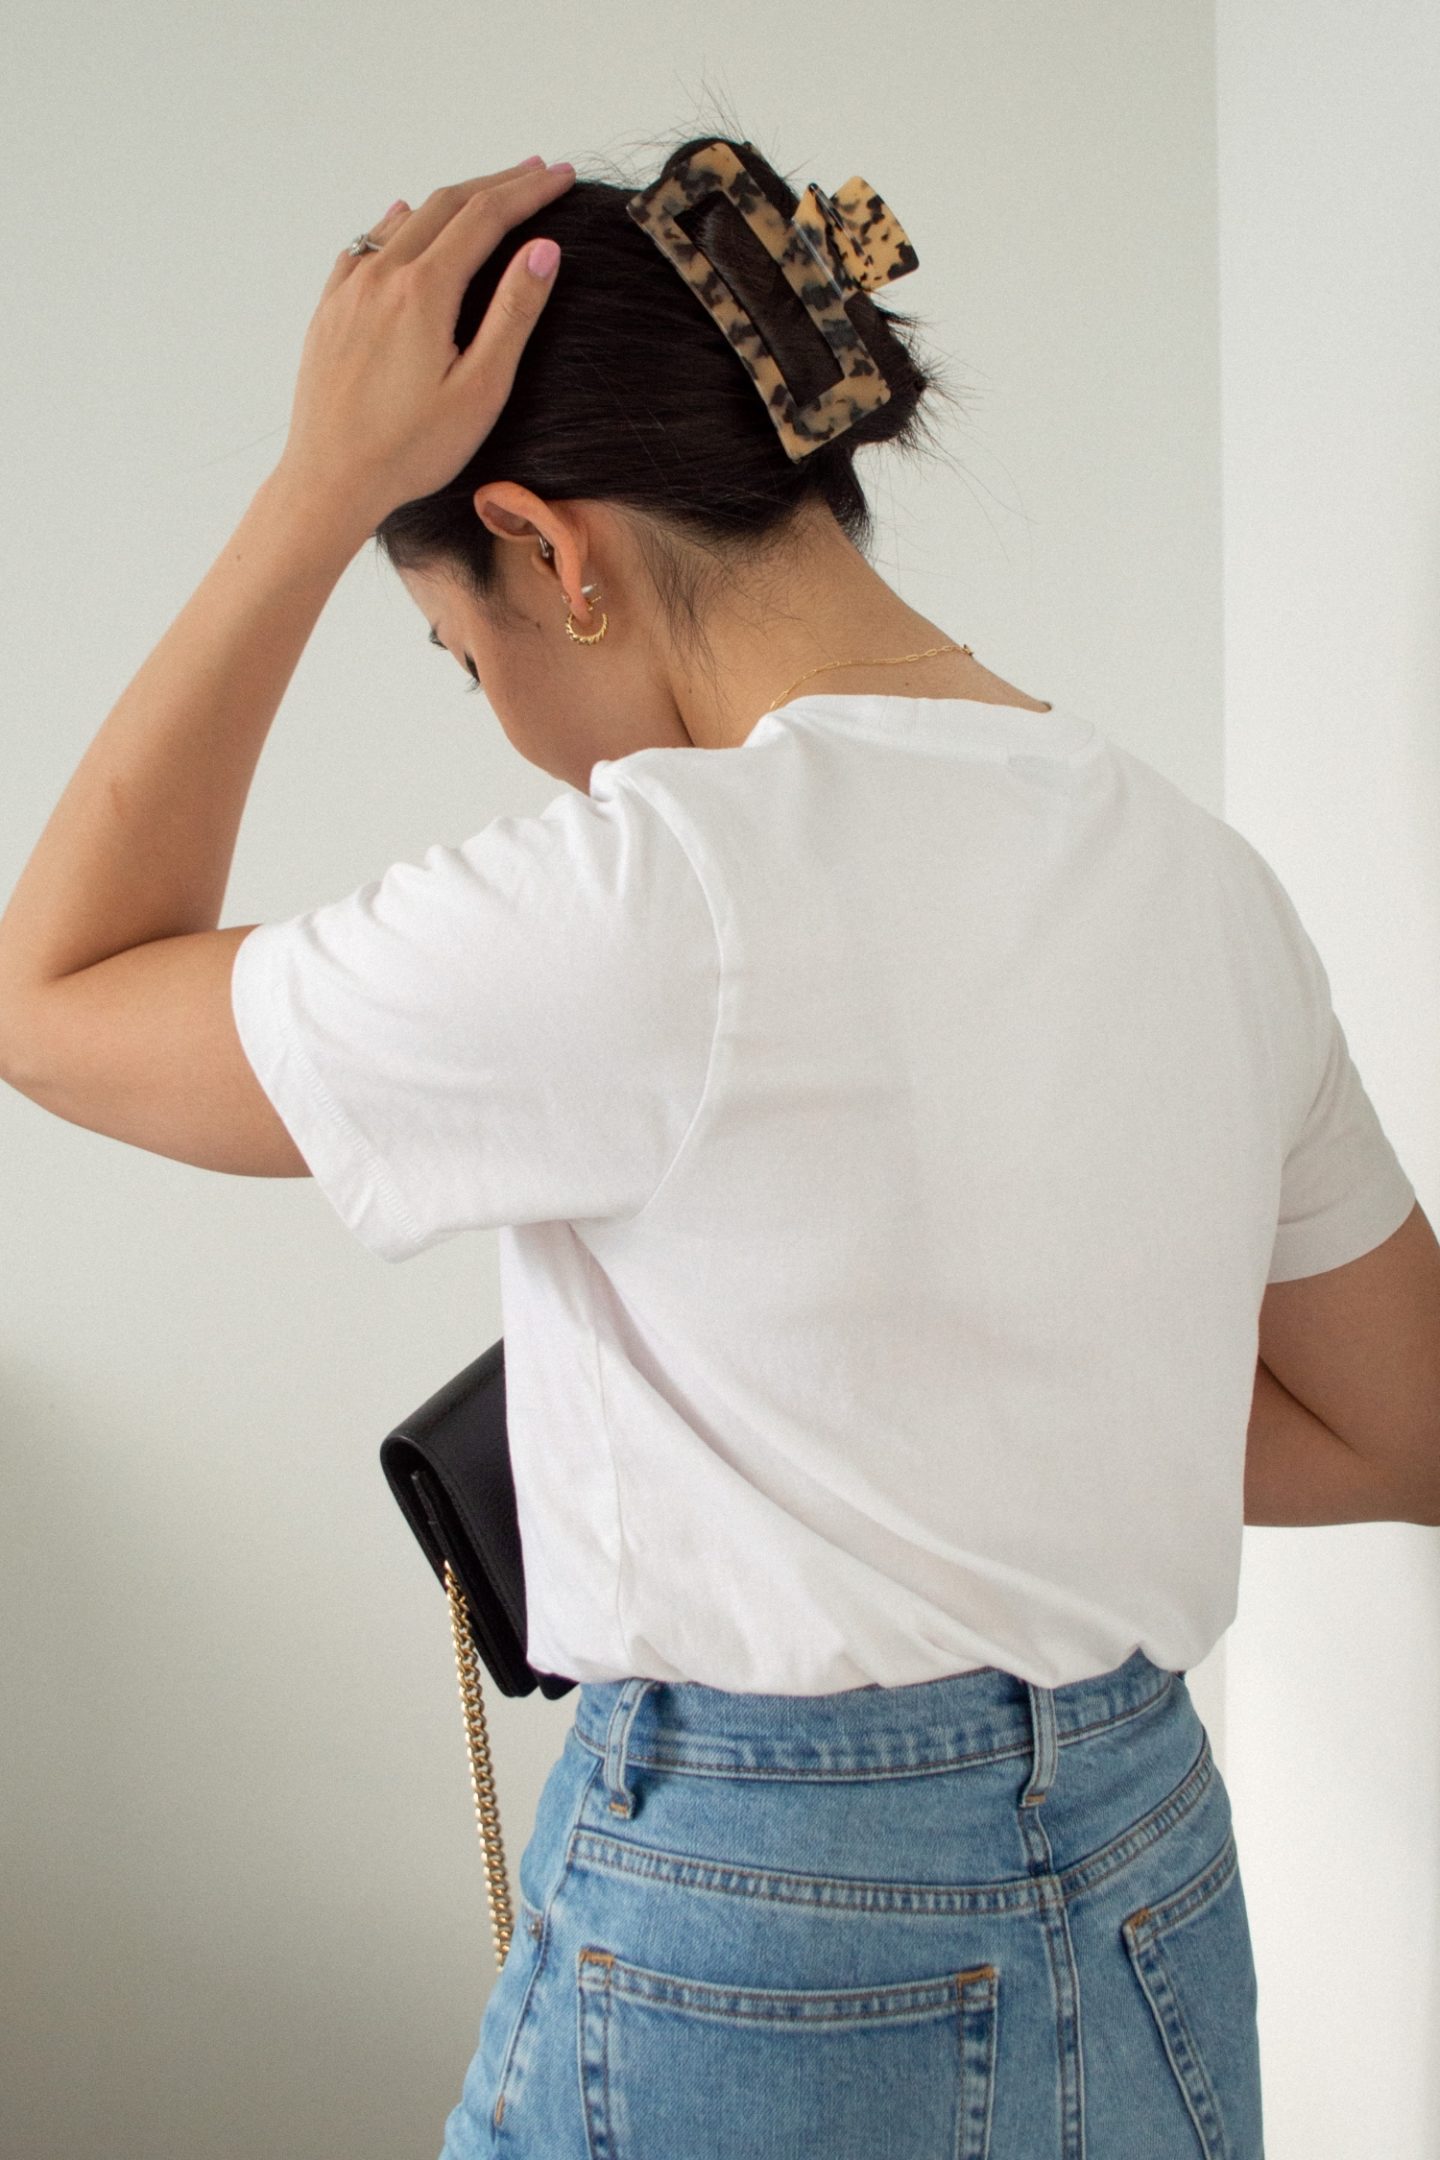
(891,1124)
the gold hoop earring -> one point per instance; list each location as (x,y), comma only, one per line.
(595,635)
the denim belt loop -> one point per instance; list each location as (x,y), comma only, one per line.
(617,1739)
(1042,1726)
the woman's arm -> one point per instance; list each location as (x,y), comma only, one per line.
(1299,1474)
(115,1004)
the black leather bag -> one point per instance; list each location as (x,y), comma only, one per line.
(448,1465)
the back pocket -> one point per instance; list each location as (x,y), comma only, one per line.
(673,2068)
(1192,1956)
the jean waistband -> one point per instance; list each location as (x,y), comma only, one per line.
(929,1724)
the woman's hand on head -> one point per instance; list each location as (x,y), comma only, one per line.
(386,407)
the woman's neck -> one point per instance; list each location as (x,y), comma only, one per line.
(827,604)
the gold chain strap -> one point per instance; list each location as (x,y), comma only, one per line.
(482,1779)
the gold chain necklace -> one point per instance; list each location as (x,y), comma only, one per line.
(898,661)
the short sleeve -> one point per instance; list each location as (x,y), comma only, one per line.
(1342,1189)
(515,1030)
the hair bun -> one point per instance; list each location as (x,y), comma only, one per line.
(629,392)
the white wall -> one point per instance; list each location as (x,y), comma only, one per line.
(1329,162)
(243,1900)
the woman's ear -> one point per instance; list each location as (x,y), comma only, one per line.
(509,511)
(499,516)
(513,519)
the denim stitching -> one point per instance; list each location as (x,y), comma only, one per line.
(1022,1894)
(692,1763)
(1191,1897)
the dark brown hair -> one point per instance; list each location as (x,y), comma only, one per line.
(629,393)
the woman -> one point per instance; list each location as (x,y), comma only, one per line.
(895,1102)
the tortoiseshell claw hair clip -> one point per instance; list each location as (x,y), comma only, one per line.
(831,247)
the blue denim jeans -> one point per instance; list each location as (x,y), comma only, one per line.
(968,1919)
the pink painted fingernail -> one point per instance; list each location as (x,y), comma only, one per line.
(542,258)
(531,161)
(401,204)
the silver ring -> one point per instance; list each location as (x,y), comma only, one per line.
(362,244)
